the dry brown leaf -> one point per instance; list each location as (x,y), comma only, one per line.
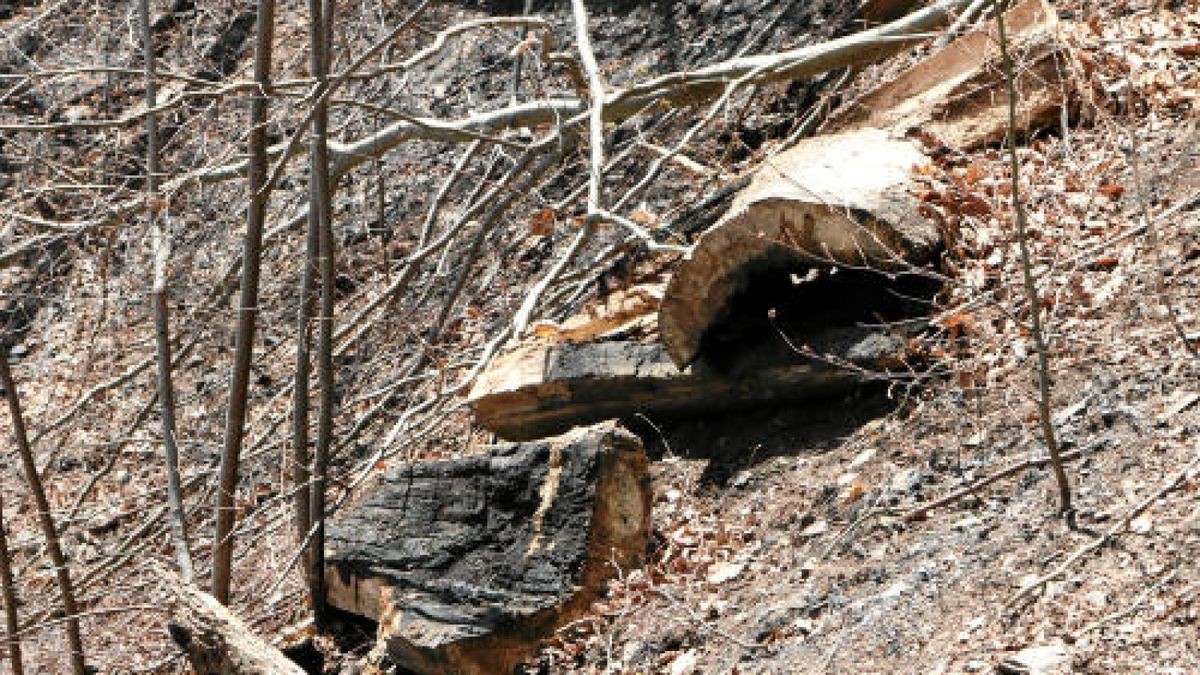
(643,217)
(541,223)
(857,490)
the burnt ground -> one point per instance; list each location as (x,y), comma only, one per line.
(780,544)
(781,539)
(78,315)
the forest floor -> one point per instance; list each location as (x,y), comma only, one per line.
(781,539)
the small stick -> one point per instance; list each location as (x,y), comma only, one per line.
(1177,481)
(920,512)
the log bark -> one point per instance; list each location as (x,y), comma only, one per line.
(843,199)
(215,640)
(467,563)
(957,95)
(541,389)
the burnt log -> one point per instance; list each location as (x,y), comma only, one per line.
(540,389)
(958,96)
(845,200)
(466,564)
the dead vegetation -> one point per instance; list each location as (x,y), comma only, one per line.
(531,174)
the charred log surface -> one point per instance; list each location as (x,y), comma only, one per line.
(467,563)
(541,389)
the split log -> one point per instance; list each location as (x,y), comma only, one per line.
(215,640)
(541,389)
(843,199)
(958,95)
(467,563)
(625,312)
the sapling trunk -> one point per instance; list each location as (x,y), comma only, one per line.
(1036,329)
(235,422)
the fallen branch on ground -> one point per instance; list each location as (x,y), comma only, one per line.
(921,512)
(673,90)
(1174,483)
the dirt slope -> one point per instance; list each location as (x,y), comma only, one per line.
(781,545)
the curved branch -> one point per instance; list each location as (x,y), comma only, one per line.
(673,90)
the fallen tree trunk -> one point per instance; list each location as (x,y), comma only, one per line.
(467,563)
(848,198)
(958,94)
(840,200)
(541,389)
(215,640)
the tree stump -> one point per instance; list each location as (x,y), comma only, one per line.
(467,563)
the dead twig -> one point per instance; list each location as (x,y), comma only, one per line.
(921,512)
(1174,483)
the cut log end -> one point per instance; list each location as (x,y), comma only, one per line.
(840,200)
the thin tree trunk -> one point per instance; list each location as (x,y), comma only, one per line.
(12,623)
(70,609)
(235,422)
(515,92)
(162,252)
(300,392)
(1035,304)
(322,194)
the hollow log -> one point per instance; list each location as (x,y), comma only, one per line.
(215,640)
(467,563)
(846,199)
(958,95)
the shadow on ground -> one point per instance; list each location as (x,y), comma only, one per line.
(735,441)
